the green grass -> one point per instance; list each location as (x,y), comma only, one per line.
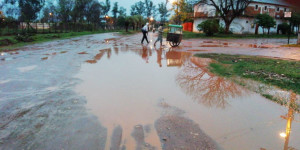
(282,73)
(292,45)
(38,38)
(192,35)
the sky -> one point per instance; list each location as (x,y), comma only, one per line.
(127,3)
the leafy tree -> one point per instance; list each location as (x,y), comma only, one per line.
(94,12)
(29,8)
(46,16)
(228,10)
(295,20)
(106,7)
(64,9)
(150,8)
(79,10)
(209,27)
(163,11)
(115,10)
(138,9)
(122,11)
(182,11)
(265,21)
(133,10)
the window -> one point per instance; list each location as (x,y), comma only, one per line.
(266,7)
(278,9)
(284,9)
(247,21)
(256,7)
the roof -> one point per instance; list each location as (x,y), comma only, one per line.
(276,2)
(176,26)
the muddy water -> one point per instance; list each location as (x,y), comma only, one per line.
(106,92)
(128,85)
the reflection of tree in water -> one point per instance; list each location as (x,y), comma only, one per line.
(205,87)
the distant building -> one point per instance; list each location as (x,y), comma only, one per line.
(246,22)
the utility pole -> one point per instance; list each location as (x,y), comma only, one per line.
(288,15)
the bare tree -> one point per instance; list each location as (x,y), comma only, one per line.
(228,10)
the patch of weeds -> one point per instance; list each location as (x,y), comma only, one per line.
(270,97)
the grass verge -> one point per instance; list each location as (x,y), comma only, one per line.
(11,43)
(282,73)
(291,45)
(192,35)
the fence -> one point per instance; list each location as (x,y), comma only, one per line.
(12,28)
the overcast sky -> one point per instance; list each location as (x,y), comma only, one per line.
(127,3)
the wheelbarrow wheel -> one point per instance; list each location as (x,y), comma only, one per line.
(174,44)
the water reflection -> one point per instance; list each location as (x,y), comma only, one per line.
(194,77)
(289,117)
(205,87)
(176,58)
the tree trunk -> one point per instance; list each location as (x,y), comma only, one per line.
(227,26)
(268,31)
(256,29)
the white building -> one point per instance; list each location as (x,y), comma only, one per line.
(246,22)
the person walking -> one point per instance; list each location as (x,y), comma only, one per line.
(160,34)
(145,32)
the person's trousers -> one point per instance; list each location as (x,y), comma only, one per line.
(145,37)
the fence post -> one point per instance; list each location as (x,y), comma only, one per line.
(298,38)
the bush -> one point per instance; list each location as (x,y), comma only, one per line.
(24,37)
(209,27)
(221,30)
(284,28)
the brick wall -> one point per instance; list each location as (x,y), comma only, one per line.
(250,11)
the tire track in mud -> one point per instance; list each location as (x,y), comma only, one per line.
(179,132)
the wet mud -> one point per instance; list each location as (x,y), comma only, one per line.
(108,92)
(178,132)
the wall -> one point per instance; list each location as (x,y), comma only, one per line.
(240,25)
(243,24)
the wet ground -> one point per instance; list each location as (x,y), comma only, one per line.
(110,92)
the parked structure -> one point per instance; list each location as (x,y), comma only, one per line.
(246,22)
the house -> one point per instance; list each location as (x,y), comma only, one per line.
(246,22)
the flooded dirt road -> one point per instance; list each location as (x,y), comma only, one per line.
(110,92)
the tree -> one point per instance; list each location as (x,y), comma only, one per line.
(115,10)
(265,21)
(106,7)
(228,10)
(150,8)
(209,27)
(80,10)
(94,12)
(138,9)
(163,11)
(46,16)
(122,11)
(182,11)
(295,20)
(64,9)
(29,8)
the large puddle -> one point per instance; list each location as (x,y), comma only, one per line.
(133,89)
(129,96)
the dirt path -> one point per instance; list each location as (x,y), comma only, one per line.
(109,92)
